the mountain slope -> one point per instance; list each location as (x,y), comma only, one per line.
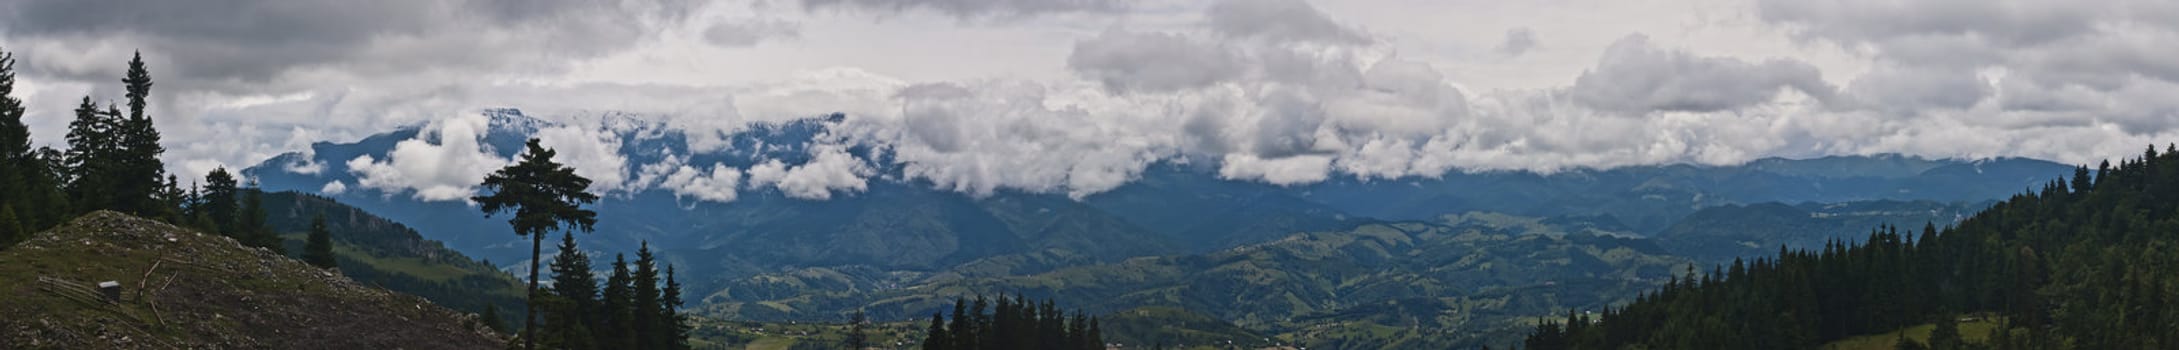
(387,254)
(2082,264)
(185,289)
(1719,234)
(1188,203)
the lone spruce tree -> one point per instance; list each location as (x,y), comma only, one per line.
(137,165)
(544,196)
(318,250)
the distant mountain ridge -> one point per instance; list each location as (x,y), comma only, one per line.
(907,225)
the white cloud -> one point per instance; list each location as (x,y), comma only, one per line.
(334,188)
(718,184)
(594,152)
(830,169)
(1280,171)
(444,162)
(981,137)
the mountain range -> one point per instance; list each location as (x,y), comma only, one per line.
(772,255)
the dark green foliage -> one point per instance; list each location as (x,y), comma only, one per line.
(1946,336)
(648,330)
(113,158)
(318,247)
(674,326)
(20,170)
(572,281)
(935,337)
(137,165)
(384,253)
(1014,321)
(492,318)
(577,316)
(221,202)
(544,196)
(562,323)
(618,297)
(857,339)
(250,226)
(112,162)
(11,226)
(2089,264)
(91,157)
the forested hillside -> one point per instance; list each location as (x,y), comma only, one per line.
(373,250)
(2083,264)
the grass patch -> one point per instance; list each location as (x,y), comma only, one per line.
(1977,331)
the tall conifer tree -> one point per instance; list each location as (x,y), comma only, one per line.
(650,329)
(618,299)
(544,196)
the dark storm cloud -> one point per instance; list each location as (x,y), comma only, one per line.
(1280,21)
(976,9)
(750,33)
(251,42)
(1155,62)
(1518,41)
(1636,78)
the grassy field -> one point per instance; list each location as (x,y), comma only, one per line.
(1972,331)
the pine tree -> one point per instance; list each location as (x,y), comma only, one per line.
(648,325)
(89,158)
(544,196)
(137,164)
(221,202)
(563,326)
(677,329)
(618,300)
(572,280)
(18,164)
(936,337)
(963,329)
(1095,339)
(318,249)
(169,201)
(253,229)
(46,190)
(856,339)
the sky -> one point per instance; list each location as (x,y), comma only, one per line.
(1079,96)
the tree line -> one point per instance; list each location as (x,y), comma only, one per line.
(635,307)
(112,163)
(1011,323)
(2089,263)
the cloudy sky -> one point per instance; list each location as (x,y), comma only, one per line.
(1078,96)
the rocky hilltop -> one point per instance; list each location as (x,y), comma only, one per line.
(180,288)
